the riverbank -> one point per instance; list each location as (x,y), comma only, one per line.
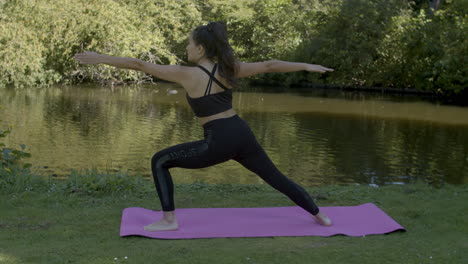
(438,97)
(77,220)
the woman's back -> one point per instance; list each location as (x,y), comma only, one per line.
(199,80)
(212,102)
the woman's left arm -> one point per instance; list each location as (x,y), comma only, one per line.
(251,69)
(286,66)
(172,73)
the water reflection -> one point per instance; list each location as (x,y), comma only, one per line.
(313,139)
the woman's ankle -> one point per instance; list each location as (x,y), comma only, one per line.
(169,216)
(323,219)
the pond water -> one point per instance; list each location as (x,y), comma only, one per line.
(314,137)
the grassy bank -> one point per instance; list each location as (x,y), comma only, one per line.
(55,221)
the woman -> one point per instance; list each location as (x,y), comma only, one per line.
(226,135)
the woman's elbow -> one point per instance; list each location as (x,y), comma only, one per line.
(271,65)
(137,65)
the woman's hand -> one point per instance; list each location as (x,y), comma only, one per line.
(88,57)
(317,68)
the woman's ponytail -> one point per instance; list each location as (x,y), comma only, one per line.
(213,37)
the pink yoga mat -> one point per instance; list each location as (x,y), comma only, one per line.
(361,220)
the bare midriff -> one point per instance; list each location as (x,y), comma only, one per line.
(226,114)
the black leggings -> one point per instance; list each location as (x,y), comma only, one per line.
(225,139)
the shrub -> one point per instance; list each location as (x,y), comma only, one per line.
(394,43)
(10,157)
(11,165)
(425,51)
(39,38)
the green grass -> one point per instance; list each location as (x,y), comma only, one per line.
(56,222)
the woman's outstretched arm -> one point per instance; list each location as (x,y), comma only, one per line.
(172,73)
(250,69)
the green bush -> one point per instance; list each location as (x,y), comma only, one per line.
(11,158)
(12,165)
(21,60)
(427,52)
(391,43)
(46,34)
(347,38)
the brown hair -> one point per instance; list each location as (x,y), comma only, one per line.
(213,38)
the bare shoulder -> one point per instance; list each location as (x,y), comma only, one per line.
(173,73)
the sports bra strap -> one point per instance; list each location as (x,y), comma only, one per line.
(210,82)
(212,78)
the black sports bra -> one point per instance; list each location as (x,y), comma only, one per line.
(211,104)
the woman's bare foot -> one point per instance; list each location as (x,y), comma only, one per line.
(162,225)
(323,219)
(167,223)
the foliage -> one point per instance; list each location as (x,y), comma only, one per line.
(94,182)
(426,52)
(10,158)
(11,165)
(17,179)
(368,43)
(46,34)
(395,43)
(347,37)
(14,173)
(21,60)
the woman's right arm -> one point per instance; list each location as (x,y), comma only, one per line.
(172,73)
(250,69)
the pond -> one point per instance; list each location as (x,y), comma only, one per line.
(315,137)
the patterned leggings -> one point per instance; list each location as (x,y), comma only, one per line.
(224,139)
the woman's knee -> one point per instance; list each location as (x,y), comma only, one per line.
(159,159)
